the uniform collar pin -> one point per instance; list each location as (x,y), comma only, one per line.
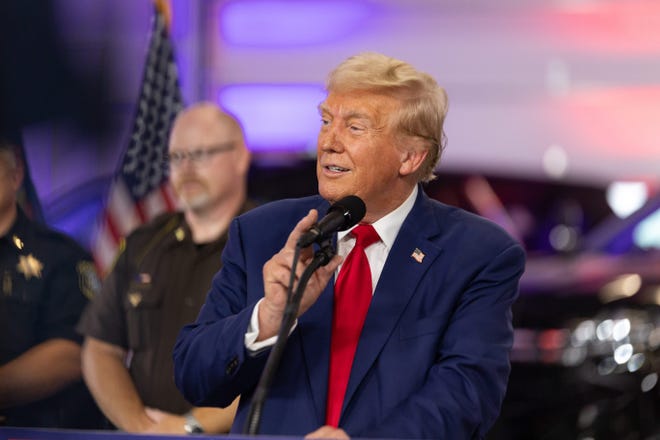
(17,242)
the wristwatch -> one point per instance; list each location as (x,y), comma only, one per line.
(192,425)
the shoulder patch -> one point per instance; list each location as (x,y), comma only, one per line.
(88,279)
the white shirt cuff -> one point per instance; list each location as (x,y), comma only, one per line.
(253,332)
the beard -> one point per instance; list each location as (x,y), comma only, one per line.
(193,200)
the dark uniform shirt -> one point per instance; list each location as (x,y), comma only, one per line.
(157,285)
(46,280)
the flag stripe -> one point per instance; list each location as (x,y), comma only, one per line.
(154,203)
(122,210)
(104,249)
(170,197)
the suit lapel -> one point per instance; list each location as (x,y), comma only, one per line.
(399,280)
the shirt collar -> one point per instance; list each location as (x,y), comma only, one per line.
(389,225)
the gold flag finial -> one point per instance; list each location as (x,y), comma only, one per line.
(165,9)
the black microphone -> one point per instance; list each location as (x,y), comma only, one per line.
(340,216)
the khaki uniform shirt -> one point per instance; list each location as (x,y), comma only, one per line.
(157,285)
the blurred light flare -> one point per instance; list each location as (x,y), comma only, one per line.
(627,27)
(604,330)
(574,356)
(619,122)
(649,382)
(646,234)
(654,338)
(291,23)
(621,329)
(552,339)
(555,161)
(276,117)
(625,198)
(623,353)
(623,286)
(654,294)
(584,332)
(636,362)
(563,238)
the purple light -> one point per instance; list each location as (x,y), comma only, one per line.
(276,117)
(273,23)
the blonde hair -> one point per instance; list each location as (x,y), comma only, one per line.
(424,103)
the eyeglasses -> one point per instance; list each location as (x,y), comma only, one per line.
(198,156)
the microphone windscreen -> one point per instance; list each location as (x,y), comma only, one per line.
(352,208)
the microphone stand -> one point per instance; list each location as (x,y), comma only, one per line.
(321,258)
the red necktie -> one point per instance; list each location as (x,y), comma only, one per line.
(353,293)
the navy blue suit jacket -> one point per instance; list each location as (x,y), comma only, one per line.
(432,360)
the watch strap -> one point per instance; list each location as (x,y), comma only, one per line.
(191,424)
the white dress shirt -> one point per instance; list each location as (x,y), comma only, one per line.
(387,229)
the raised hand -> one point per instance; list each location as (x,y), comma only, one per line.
(277,273)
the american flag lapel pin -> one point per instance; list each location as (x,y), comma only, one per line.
(418,255)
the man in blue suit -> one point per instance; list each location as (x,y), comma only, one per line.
(432,356)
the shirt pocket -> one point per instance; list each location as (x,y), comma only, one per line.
(143,310)
(20,310)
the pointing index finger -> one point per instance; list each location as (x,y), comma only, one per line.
(301,227)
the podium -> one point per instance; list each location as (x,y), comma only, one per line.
(12,433)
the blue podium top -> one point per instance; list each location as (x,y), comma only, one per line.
(11,433)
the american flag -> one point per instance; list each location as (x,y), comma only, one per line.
(140,189)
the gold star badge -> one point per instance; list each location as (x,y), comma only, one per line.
(29,266)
